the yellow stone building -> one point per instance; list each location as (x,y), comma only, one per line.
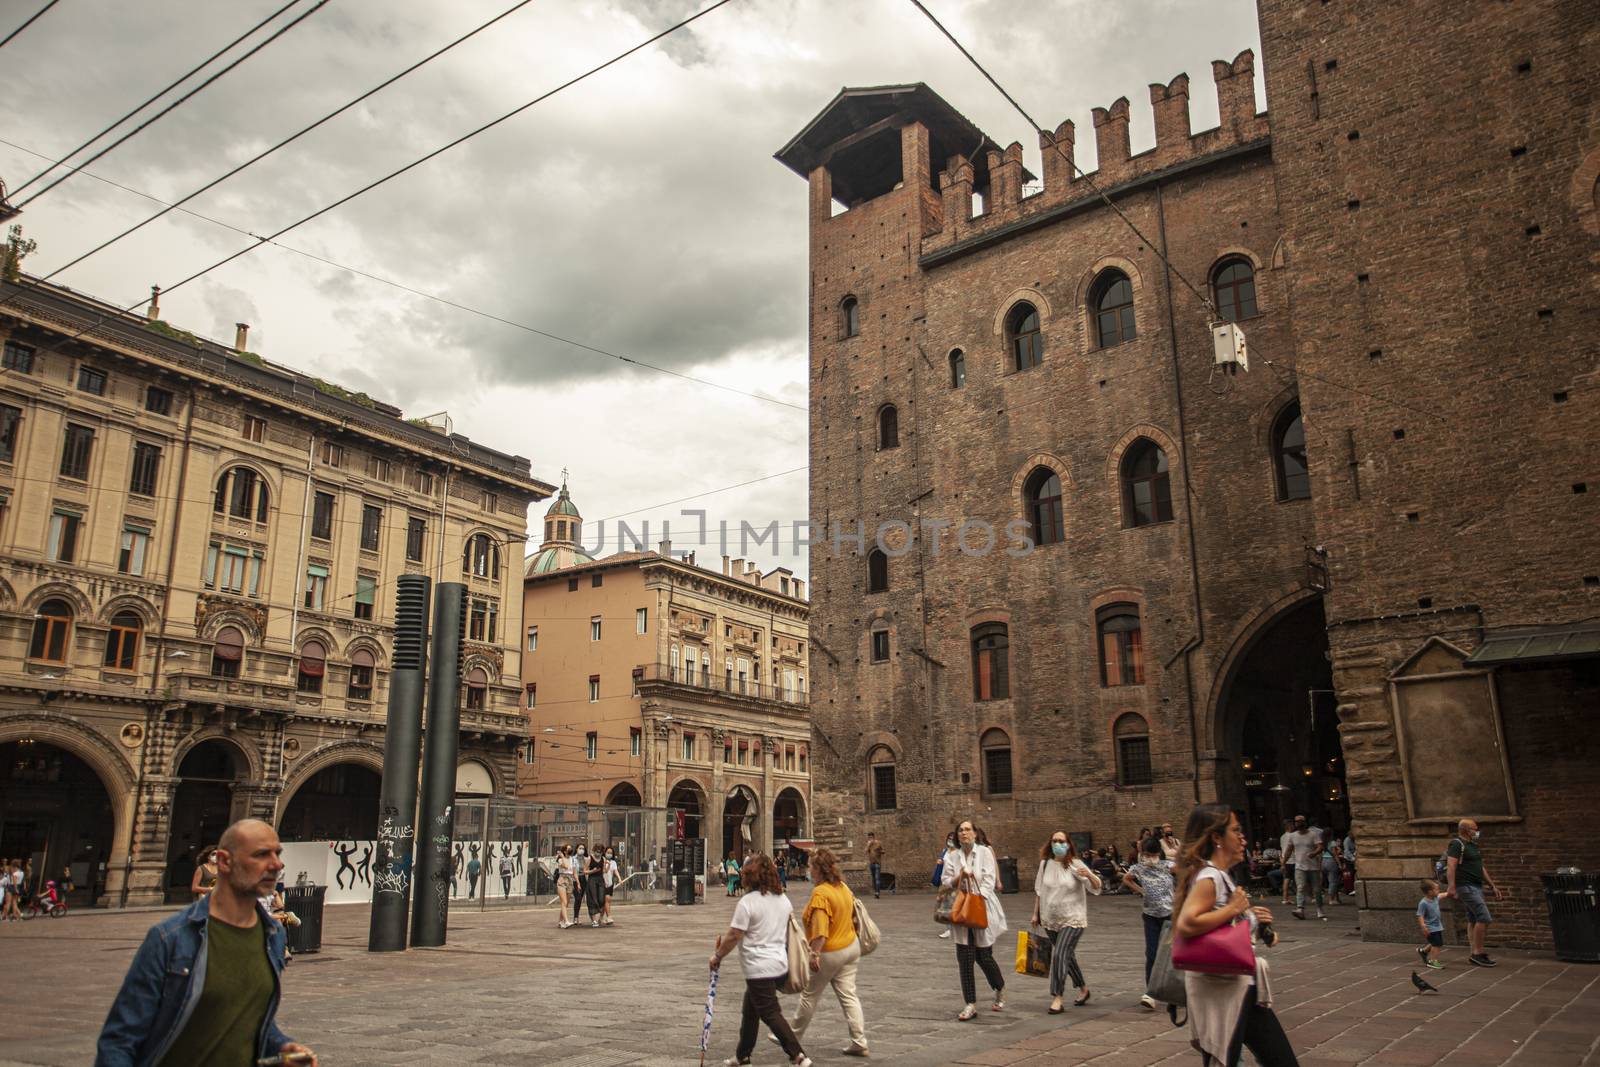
(198,552)
(651,680)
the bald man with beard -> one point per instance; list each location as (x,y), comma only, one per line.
(203,989)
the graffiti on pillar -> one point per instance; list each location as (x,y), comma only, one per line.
(393,874)
(440,843)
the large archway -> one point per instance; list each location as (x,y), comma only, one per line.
(788,817)
(739,814)
(688,800)
(202,807)
(1277,727)
(337,803)
(56,812)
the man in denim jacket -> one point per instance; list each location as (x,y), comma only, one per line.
(204,986)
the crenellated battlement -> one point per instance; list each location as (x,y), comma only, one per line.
(1001,199)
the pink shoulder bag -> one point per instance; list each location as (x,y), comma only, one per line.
(1224,950)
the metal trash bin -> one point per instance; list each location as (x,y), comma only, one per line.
(684,889)
(1574,902)
(1008,874)
(306,902)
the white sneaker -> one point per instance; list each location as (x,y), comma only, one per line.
(803,1061)
(1148,1001)
(945,934)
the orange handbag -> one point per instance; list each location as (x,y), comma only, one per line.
(969,910)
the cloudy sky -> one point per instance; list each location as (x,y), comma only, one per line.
(639,212)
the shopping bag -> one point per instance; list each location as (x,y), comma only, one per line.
(1033,952)
(1166,981)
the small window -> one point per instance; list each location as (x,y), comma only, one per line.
(10,424)
(227,652)
(1041,495)
(850,316)
(996,749)
(157,401)
(144,470)
(688,746)
(1289,455)
(76,448)
(594,627)
(1234,286)
(332,454)
(1121,645)
(958,369)
(533,639)
(477,688)
(241,494)
(477,619)
(530,695)
(92,380)
(481,559)
(1111,301)
(422,482)
(572,585)
(880,763)
(51,628)
(527,752)
(361,665)
(1146,485)
(316,596)
(596,580)
(377,467)
(491,501)
(322,516)
(991,672)
(132,550)
(1132,737)
(1023,337)
(594,688)
(641,620)
(416,534)
(313,666)
(63,543)
(877,571)
(18,358)
(255,429)
(366,596)
(880,643)
(591,745)
(888,427)
(371,527)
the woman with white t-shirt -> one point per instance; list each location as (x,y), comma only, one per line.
(564,885)
(974,863)
(760,930)
(1226,1012)
(1061,906)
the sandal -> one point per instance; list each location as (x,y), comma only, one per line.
(1081,1001)
(968,1013)
(999,1004)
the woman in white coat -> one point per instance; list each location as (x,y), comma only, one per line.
(974,857)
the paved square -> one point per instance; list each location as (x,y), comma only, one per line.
(512,989)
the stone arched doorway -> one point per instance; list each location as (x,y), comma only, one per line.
(788,818)
(688,800)
(1277,729)
(56,812)
(739,814)
(337,803)
(203,805)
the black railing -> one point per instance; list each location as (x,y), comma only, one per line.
(722,683)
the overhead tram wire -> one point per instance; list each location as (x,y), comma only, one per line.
(272,237)
(424,294)
(156,96)
(1202,296)
(31,19)
(258,157)
(158,116)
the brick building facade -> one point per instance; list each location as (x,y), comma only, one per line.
(1211,609)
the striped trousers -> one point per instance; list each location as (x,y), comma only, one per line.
(1064,960)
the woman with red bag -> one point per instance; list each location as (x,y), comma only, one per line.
(1227,1011)
(976,916)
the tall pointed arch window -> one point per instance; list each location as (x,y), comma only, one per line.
(1233,284)
(1023,337)
(1289,454)
(1146,485)
(1042,497)
(991,671)
(877,571)
(1111,303)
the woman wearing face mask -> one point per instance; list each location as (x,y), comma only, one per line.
(594,885)
(580,884)
(610,874)
(972,866)
(1061,905)
(1152,881)
(564,884)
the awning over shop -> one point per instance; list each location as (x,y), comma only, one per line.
(1538,644)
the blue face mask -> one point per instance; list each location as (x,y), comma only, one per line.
(1058,848)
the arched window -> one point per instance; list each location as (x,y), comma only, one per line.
(877,571)
(1289,454)
(241,494)
(477,688)
(361,665)
(313,665)
(888,427)
(880,641)
(880,775)
(1111,300)
(1041,495)
(1234,286)
(849,317)
(991,670)
(481,557)
(1024,338)
(996,749)
(1146,485)
(958,369)
(227,652)
(1121,645)
(1132,737)
(122,641)
(51,628)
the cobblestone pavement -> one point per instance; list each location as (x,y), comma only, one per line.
(512,989)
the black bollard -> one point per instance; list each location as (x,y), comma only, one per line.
(430,904)
(402,750)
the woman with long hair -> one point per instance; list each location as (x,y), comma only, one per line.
(1226,1012)
(759,929)
(831,927)
(972,866)
(205,873)
(1061,905)
(564,884)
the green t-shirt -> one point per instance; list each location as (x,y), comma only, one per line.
(1469,871)
(222,1029)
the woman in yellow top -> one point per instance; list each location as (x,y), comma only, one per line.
(831,927)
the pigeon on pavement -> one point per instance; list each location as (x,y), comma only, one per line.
(1422,986)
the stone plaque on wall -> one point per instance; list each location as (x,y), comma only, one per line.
(1451,744)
